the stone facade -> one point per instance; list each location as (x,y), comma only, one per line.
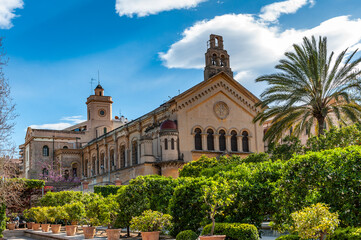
(212,118)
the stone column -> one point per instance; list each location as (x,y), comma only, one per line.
(228,143)
(204,141)
(216,141)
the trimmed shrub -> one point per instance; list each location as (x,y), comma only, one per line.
(105,191)
(187,235)
(233,231)
(346,234)
(288,237)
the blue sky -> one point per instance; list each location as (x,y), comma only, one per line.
(146,51)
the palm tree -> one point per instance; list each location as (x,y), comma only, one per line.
(311,87)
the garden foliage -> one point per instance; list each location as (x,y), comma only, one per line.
(2,219)
(151,221)
(106,190)
(187,235)
(314,222)
(143,193)
(233,231)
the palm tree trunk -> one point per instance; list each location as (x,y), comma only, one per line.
(321,122)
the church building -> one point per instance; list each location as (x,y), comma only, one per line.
(212,118)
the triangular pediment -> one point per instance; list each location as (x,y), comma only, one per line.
(218,83)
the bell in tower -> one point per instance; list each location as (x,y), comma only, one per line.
(217,59)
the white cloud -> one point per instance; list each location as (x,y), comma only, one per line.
(255,46)
(52,126)
(70,121)
(74,119)
(273,11)
(143,8)
(7,8)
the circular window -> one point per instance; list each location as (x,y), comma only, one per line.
(102,112)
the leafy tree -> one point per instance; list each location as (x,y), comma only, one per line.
(289,146)
(320,177)
(217,195)
(145,192)
(75,211)
(187,205)
(60,198)
(93,211)
(335,137)
(253,184)
(109,211)
(310,88)
(151,221)
(315,221)
(57,214)
(206,166)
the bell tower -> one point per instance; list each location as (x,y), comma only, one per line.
(217,59)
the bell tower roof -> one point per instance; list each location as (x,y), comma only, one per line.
(217,59)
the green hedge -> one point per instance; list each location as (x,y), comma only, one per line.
(289,237)
(54,199)
(106,190)
(2,219)
(233,231)
(30,183)
(346,234)
(187,235)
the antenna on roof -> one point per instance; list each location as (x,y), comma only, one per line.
(91,85)
(98,78)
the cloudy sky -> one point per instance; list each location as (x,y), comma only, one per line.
(148,51)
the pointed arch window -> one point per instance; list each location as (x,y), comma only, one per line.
(45,151)
(234,143)
(165,144)
(172,144)
(198,139)
(222,140)
(210,140)
(245,142)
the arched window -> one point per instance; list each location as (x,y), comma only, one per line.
(75,169)
(134,153)
(45,151)
(122,156)
(65,147)
(172,144)
(214,59)
(198,139)
(166,144)
(105,130)
(85,170)
(93,170)
(234,144)
(112,163)
(45,173)
(222,140)
(223,61)
(210,140)
(102,166)
(245,144)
